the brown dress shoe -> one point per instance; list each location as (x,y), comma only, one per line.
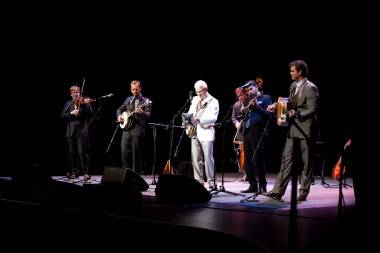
(273,195)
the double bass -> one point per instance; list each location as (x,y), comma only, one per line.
(239,151)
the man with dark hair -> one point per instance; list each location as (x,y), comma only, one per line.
(302,108)
(255,118)
(236,118)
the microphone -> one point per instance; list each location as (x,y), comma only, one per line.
(191,94)
(106,96)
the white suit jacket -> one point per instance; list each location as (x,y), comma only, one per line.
(208,117)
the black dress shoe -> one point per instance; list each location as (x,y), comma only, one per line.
(73,176)
(251,189)
(302,197)
(213,187)
(86,177)
(274,195)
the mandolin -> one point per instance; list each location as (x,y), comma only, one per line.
(339,169)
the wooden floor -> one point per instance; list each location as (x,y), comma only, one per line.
(265,221)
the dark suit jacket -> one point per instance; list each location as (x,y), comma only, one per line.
(77,125)
(236,117)
(305,102)
(139,125)
(236,114)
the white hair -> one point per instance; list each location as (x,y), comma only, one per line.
(200,85)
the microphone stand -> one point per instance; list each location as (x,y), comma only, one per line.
(154,154)
(97,111)
(223,124)
(179,143)
(111,141)
(168,167)
(154,128)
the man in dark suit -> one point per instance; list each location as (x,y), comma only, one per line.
(137,110)
(302,109)
(254,123)
(77,112)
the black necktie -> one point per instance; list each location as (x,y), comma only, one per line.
(294,90)
(132,103)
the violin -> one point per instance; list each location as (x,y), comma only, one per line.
(83,100)
(252,102)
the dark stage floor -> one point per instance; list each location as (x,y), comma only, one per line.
(265,221)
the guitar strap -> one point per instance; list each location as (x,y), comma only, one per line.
(201,107)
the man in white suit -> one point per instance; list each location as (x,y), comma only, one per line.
(205,110)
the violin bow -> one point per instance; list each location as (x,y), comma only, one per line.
(83,83)
(81,90)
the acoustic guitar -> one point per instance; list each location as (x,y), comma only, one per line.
(282,111)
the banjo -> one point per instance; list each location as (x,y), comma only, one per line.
(128,119)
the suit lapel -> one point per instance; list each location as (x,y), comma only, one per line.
(293,95)
(298,95)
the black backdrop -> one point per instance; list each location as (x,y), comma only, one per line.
(168,57)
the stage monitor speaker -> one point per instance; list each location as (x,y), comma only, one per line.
(123,176)
(180,189)
(184,168)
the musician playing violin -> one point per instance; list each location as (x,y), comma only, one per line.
(133,136)
(77,113)
(255,117)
